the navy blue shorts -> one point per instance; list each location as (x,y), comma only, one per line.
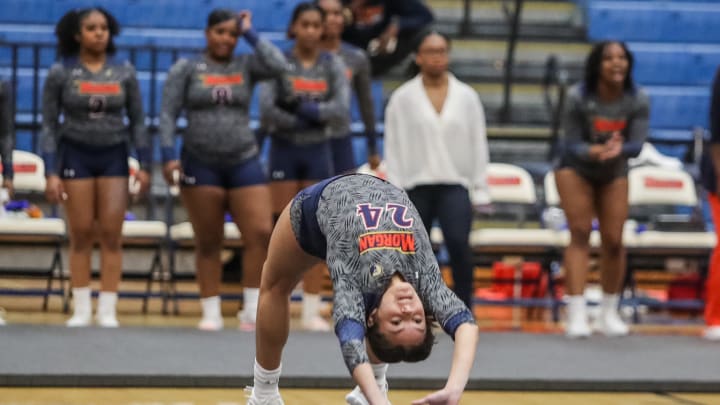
(197,173)
(78,161)
(342,154)
(300,162)
(303,217)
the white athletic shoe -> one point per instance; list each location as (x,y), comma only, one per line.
(210,325)
(2,317)
(252,400)
(356,397)
(610,324)
(107,321)
(247,322)
(79,320)
(316,324)
(712,333)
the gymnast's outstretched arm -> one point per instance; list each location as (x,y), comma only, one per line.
(458,322)
(466,338)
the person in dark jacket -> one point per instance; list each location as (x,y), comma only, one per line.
(385,28)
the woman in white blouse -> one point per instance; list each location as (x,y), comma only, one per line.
(436,149)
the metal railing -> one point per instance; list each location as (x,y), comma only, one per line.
(513,16)
(555,81)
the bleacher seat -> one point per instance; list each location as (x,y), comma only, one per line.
(675,64)
(678,107)
(654,21)
(268,15)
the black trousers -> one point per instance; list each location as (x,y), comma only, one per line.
(451,206)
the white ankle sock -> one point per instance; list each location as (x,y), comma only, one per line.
(576,305)
(81,301)
(266,381)
(211,308)
(310,306)
(250,302)
(107,302)
(379,370)
(609,303)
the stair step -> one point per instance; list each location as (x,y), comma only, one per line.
(548,32)
(483,11)
(535,51)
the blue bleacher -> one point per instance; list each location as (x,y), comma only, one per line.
(268,15)
(654,21)
(675,64)
(678,107)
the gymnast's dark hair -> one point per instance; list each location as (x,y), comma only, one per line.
(390,353)
(220,15)
(299,10)
(69,26)
(413,69)
(593,65)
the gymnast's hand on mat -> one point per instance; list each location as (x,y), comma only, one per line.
(443,397)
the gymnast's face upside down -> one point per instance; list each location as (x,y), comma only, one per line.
(400,316)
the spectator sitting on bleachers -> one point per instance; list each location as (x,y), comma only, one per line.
(86,156)
(220,169)
(436,149)
(605,123)
(7,136)
(711,181)
(298,112)
(358,72)
(387,29)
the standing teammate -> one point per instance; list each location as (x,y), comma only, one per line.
(299,112)
(358,73)
(605,123)
(436,149)
(386,281)
(86,156)
(219,162)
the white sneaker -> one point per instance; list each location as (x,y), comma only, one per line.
(316,324)
(712,333)
(2,317)
(577,326)
(79,320)
(610,324)
(252,400)
(247,322)
(107,321)
(210,325)
(356,397)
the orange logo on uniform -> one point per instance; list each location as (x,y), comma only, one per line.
(99,88)
(349,73)
(302,85)
(608,125)
(222,80)
(404,242)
